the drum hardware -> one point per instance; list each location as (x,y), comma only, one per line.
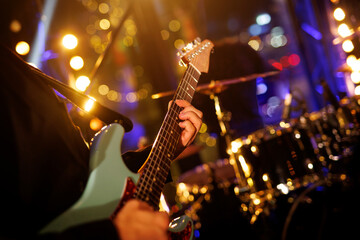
(281,159)
(216,87)
(223,119)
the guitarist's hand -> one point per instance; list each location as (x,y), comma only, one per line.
(190,124)
(137,220)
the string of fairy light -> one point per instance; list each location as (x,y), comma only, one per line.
(347,37)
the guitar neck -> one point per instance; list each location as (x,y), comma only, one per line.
(157,167)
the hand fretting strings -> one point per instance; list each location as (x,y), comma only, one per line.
(157,167)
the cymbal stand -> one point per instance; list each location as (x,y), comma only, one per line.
(224,119)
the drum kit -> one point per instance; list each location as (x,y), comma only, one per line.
(310,150)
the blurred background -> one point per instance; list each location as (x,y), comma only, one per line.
(309,43)
(305,40)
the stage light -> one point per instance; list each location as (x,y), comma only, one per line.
(339,14)
(294,59)
(355,65)
(22,48)
(310,166)
(76,63)
(255,29)
(15,26)
(351,60)
(355,77)
(263,19)
(103,89)
(344,30)
(131,97)
(278,41)
(203,128)
(348,46)
(179,43)
(357,90)
(89,104)
(128,41)
(69,41)
(112,95)
(82,83)
(165,34)
(96,124)
(104,24)
(265,177)
(210,141)
(104,8)
(276,31)
(254,44)
(174,25)
(261,88)
(236,145)
(283,188)
(131,30)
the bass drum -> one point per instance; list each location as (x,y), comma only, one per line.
(207,194)
(282,158)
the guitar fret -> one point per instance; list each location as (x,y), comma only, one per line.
(157,167)
(160,169)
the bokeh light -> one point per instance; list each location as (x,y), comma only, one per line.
(15,26)
(76,63)
(357,90)
(82,83)
(348,46)
(344,30)
(103,89)
(95,124)
(104,8)
(263,19)
(89,104)
(69,41)
(339,14)
(174,25)
(104,24)
(355,77)
(22,48)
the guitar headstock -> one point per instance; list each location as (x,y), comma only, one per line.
(198,54)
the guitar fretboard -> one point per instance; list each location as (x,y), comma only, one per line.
(157,167)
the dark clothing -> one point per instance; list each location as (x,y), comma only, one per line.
(44,164)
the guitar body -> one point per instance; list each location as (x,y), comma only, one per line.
(109,186)
(111,183)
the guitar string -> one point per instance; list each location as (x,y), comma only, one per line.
(167,135)
(180,95)
(158,190)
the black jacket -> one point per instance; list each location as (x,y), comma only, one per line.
(44,160)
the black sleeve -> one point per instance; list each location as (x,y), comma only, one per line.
(44,167)
(45,163)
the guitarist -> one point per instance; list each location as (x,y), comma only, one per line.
(44,163)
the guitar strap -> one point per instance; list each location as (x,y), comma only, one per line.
(105,114)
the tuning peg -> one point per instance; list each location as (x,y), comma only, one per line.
(179,54)
(197,41)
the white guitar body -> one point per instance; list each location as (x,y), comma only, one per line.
(111,183)
(106,185)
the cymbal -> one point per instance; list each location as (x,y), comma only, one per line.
(219,171)
(216,87)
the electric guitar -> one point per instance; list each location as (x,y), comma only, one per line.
(111,183)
